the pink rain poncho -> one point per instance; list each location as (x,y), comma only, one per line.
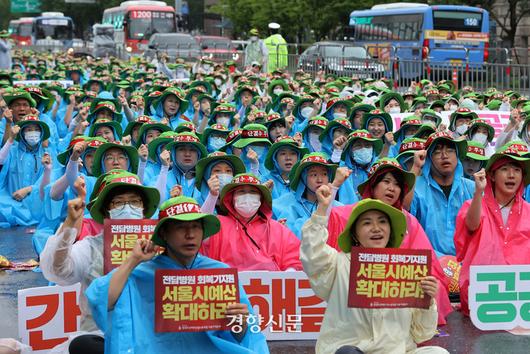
(493,243)
(415,238)
(262,244)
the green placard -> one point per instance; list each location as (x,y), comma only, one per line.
(25,6)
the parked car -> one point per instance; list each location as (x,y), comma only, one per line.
(218,48)
(340,58)
(175,45)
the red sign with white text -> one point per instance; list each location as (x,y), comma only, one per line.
(388,277)
(194,300)
(119,238)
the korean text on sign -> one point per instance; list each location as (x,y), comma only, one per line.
(119,238)
(499,296)
(194,300)
(388,278)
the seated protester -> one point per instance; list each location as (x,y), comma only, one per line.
(338,108)
(106,108)
(110,130)
(311,133)
(460,121)
(214,137)
(66,262)
(149,131)
(312,171)
(186,127)
(334,138)
(428,116)
(94,85)
(305,109)
(389,183)
(432,94)
(114,156)
(170,105)
(276,126)
(19,104)
(286,105)
(451,103)
(360,152)
(372,224)
(22,159)
(442,183)
(281,158)
(254,144)
(233,137)
(133,128)
(408,128)
(181,157)
(408,98)
(213,172)
(192,96)
(151,158)
(482,132)
(242,100)
(493,228)
(518,127)
(223,114)
(392,103)
(255,116)
(357,112)
(425,131)
(122,301)
(406,152)
(379,125)
(249,238)
(475,159)
(438,106)
(277,87)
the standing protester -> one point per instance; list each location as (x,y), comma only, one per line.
(256,51)
(5,51)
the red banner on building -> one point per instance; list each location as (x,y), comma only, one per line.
(194,300)
(388,278)
(119,238)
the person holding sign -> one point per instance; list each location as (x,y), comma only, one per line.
(372,224)
(123,301)
(492,228)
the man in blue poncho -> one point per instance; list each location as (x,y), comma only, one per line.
(122,302)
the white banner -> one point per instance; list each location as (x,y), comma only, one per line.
(65,83)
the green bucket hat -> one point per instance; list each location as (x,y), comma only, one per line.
(281,142)
(276,82)
(223,108)
(338,100)
(9,97)
(153,124)
(410,121)
(130,180)
(253,133)
(131,152)
(315,158)
(318,121)
(242,88)
(408,147)
(187,139)
(163,139)
(476,151)
(33,119)
(105,122)
(243,179)
(425,131)
(175,92)
(335,123)
(515,150)
(184,209)
(186,127)
(273,118)
(461,112)
(139,121)
(92,142)
(233,137)
(214,128)
(385,98)
(398,223)
(384,165)
(364,135)
(97,106)
(215,157)
(376,113)
(41,95)
(480,122)
(429,113)
(461,144)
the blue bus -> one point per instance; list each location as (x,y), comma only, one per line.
(441,35)
(53,28)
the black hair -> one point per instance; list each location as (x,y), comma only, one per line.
(399,178)
(122,190)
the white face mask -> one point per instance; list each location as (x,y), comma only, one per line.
(218,82)
(306,112)
(253,38)
(277,91)
(127,212)
(216,143)
(224,121)
(32,138)
(206,67)
(462,129)
(315,141)
(224,179)
(453,107)
(247,205)
(480,138)
(394,110)
(339,115)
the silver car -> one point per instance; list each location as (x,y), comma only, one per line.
(174,45)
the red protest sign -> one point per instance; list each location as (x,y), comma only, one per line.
(119,238)
(194,300)
(388,277)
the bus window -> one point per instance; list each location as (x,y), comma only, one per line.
(457,21)
(24,29)
(54,28)
(395,27)
(142,24)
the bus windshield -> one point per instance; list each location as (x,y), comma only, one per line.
(142,24)
(24,29)
(54,28)
(457,21)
